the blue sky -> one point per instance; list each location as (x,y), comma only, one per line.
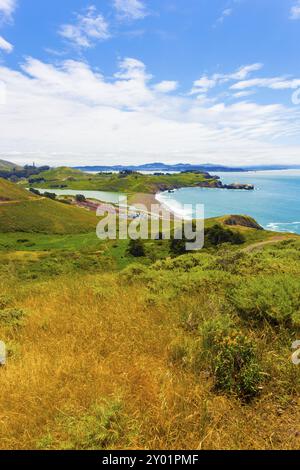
(132,81)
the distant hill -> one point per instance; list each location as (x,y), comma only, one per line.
(8,166)
(161,167)
(21,211)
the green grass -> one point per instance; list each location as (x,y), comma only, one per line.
(68,178)
(45,216)
(12,192)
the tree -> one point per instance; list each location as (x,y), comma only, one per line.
(136,248)
(80,198)
(217,235)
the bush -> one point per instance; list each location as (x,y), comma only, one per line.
(232,359)
(217,235)
(102,427)
(273,299)
(11,317)
(80,198)
(136,248)
(236,369)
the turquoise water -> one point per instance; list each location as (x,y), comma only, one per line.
(275,203)
(103,196)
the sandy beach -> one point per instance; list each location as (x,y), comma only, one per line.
(143,198)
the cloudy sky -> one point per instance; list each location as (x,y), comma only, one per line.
(134,81)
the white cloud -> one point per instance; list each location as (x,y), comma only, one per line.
(243,94)
(5,45)
(7,7)
(87,29)
(206,83)
(166,86)
(130,9)
(203,85)
(277,83)
(70,114)
(225,14)
(295,11)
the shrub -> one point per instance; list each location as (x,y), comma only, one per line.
(11,317)
(102,427)
(217,235)
(136,248)
(236,369)
(80,198)
(273,299)
(232,359)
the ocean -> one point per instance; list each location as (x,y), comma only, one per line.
(275,202)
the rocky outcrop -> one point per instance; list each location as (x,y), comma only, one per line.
(242,221)
(247,187)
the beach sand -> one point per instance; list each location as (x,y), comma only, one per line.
(143,198)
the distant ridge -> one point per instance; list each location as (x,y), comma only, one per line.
(163,167)
(160,167)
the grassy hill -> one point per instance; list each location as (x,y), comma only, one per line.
(109,351)
(12,192)
(8,166)
(183,353)
(133,183)
(20,211)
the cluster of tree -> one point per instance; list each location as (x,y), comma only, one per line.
(45,194)
(51,196)
(15,174)
(217,235)
(214,236)
(125,173)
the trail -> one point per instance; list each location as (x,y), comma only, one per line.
(270,241)
(21,200)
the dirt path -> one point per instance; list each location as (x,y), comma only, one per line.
(271,241)
(21,200)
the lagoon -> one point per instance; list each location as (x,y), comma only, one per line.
(104,196)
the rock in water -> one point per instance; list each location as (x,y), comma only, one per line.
(2,353)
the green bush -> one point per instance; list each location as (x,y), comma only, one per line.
(236,369)
(99,429)
(232,358)
(217,235)
(11,317)
(273,299)
(136,248)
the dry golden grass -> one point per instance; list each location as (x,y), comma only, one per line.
(82,346)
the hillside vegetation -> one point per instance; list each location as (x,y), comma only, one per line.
(68,178)
(13,192)
(108,351)
(8,166)
(21,211)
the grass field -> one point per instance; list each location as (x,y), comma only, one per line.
(21,211)
(110,351)
(68,178)
(101,360)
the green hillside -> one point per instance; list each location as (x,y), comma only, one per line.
(8,166)
(12,192)
(69,178)
(22,212)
